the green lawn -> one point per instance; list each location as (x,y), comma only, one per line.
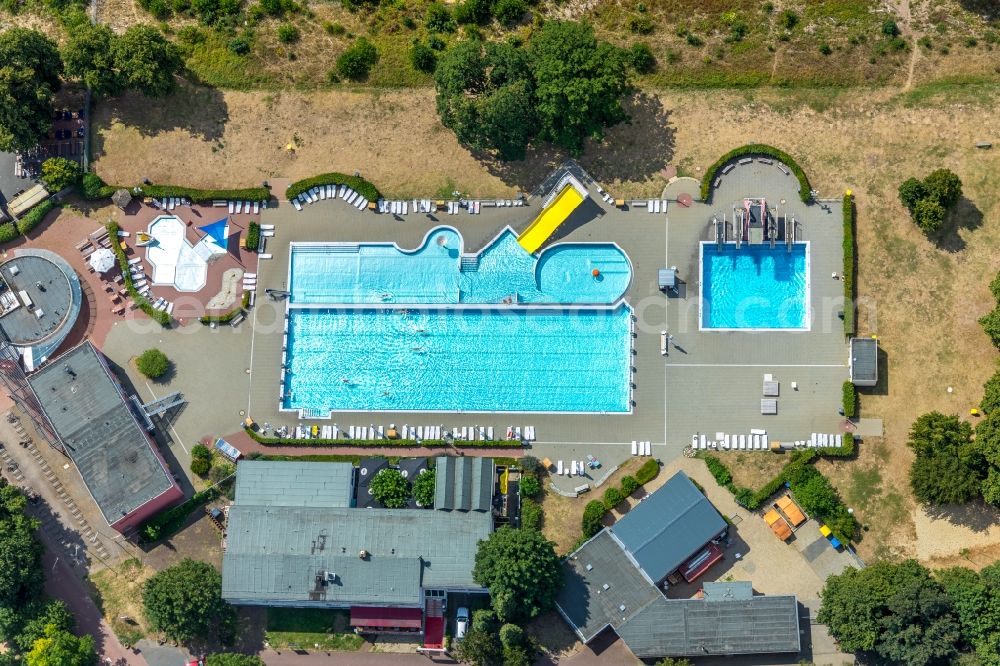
(310,630)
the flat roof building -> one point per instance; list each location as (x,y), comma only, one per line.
(90,414)
(864,361)
(613,581)
(308,547)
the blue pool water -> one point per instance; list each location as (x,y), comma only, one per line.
(755,287)
(437,272)
(515,359)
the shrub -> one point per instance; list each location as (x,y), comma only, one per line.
(889,28)
(745,497)
(825,49)
(531,514)
(167,523)
(509,12)
(530,487)
(593,513)
(335,29)
(756,149)
(356,183)
(612,498)
(529,464)
(423,58)
(201,452)
(288,33)
(438,18)
(694,40)
(239,45)
(647,472)
(253,236)
(471,12)
(789,19)
(991,325)
(200,466)
(718,470)
(929,215)
(8,232)
(511,635)
(629,485)
(357,60)
(848,272)
(642,59)
(850,400)
(59,173)
(640,25)
(93,188)
(153,363)
(35,216)
(423,489)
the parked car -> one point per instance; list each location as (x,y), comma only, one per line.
(461,623)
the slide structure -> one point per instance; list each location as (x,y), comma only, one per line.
(569,194)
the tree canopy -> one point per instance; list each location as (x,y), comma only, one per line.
(390,488)
(153,363)
(29,74)
(146,61)
(948,468)
(20,554)
(896,612)
(929,200)
(521,571)
(565,87)
(89,57)
(59,173)
(61,648)
(184,601)
(233,659)
(423,489)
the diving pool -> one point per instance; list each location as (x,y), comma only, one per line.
(373,327)
(754,287)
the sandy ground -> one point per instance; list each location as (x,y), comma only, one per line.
(921,296)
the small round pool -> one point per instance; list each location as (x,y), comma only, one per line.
(566,273)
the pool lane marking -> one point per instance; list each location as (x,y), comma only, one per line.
(171,423)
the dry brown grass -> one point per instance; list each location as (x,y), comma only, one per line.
(119,595)
(752,470)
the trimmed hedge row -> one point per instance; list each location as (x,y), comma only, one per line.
(848,273)
(756,149)
(170,521)
(206,196)
(647,472)
(35,216)
(93,188)
(253,237)
(850,398)
(531,514)
(159,316)
(356,183)
(380,443)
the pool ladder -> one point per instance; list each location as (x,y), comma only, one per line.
(469,263)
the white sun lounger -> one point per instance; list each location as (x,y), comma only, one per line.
(635,447)
(361,203)
(256,207)
(322,193)
(649,448)
(559,467)
(351,196)
(295,202)
(381,432)
(489,433)
(170,308)
(239,207)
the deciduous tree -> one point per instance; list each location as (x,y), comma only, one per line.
(89,57)
(949,467)
(391,488)
(521,571)
(423,489)
(29,75)
(184,601)
(61,648)
(146,61)
(59,173)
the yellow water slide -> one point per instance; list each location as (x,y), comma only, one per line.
(554,214)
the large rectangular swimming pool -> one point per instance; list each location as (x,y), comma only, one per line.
(754,287)
(476,360)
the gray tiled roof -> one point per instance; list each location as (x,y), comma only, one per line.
(291,483)
(585,603)
(864,359)
(463,484)
(290,542)
(106,443)
(698,627)
(668,527)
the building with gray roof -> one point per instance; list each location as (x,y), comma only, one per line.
(864,361)
(309,549)
(612,582)
(88,411)
(463,484)
(292,483)
(40,299)
(668,527)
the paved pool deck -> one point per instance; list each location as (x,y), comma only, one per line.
(710,382)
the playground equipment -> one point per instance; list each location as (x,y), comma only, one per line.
(568,195)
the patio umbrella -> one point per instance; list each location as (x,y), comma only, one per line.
(103,260)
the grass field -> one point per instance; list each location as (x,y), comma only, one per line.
(119,596)
(300,628)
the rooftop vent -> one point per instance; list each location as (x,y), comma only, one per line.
(364,471)
(363,554)
(590,567)
(622,608)
(606,587)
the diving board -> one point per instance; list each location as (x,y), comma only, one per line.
(569,194)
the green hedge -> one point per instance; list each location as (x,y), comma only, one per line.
(719,471)
(531,514)
(253,237)
(380,443)
(750,150)
(8,232)
(849,266)
(593,513)
(159,316)
(850,398)
(206,196)
(93,188)
(647,472)
(170,521)
(356,183)
(35,216)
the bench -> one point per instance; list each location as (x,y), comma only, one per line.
(784,169)
(746,160)
(235,321)
(582,489)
